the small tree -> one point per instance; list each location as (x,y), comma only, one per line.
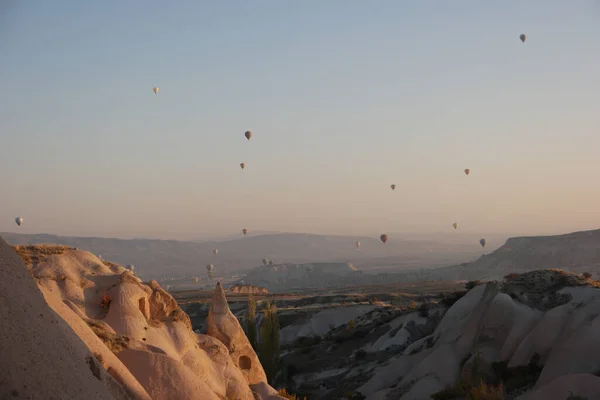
(351,325)
(251,321)
(587,275)
(269,343)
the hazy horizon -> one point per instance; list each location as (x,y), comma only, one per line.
(344,98)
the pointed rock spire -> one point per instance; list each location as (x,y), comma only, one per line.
(219,305)
(225,327)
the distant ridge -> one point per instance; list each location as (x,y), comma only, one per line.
(156,257)
(576,252)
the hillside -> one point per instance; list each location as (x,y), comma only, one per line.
(576,252)
(155,258)
(96,331)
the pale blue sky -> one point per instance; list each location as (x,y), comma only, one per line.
(344,97)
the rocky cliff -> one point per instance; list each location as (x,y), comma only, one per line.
(82,328)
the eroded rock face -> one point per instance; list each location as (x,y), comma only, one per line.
(494,326)
(135,342)
(225,327)
(42,358)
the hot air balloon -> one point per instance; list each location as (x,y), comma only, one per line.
(455,225)
(210,269)
(216,251)
(196,279)
(467,171)
(248,135)
(393,187)
(383,238)
(131,267)
(357,244)
(244,231)
(155,90)
(270,262)
(523,37)
(482,242)
(265,261)
(19,220)
(242,165)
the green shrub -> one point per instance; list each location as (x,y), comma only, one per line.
(471,284)
(452,298)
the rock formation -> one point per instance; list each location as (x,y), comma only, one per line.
(545,317)
(247,289)
(535,333)
(114,336)
(225,327)
(42,358)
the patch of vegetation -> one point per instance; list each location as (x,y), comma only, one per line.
(353,395)
(539,289)
(114,342)
(586,275)
(482,391)
(351,325)
(471,284)
(449,299)
(269,349)
(33,254)
(250,322)
(424,310)
(111,264)
(375,301)
(284,393)
(522,377)
(477,385)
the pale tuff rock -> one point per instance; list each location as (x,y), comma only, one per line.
(225,327)
(498,327)
(117,337)
(42,357)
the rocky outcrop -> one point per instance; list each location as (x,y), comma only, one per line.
(136,341)
(42,358)
(492,327)
(247,289)
(536,333)
(225,327)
